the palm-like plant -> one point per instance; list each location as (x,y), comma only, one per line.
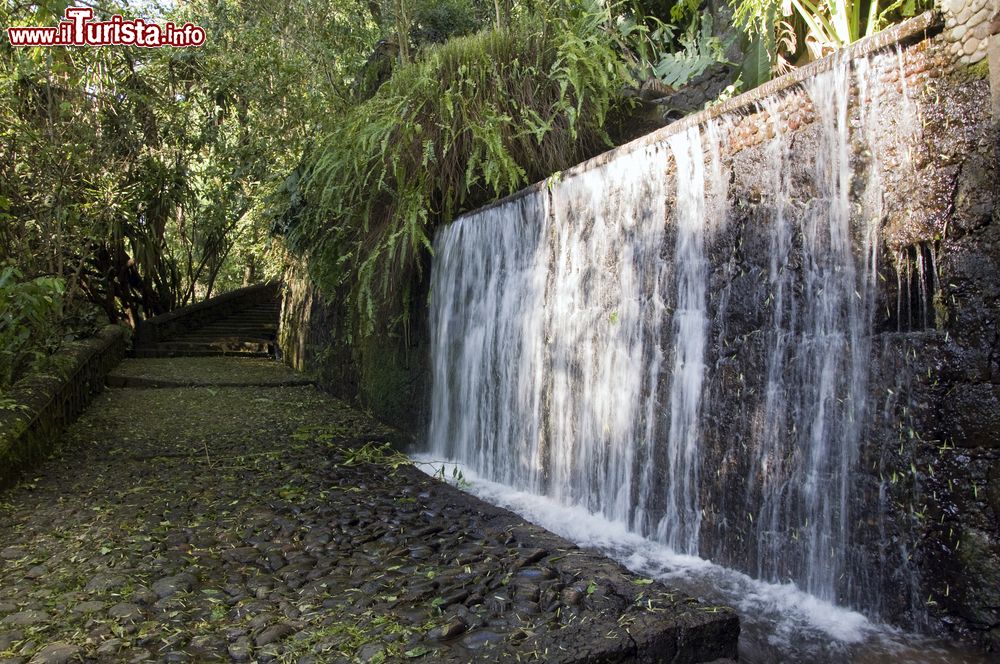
(825,25)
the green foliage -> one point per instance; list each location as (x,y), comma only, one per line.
(700,49)
(672,51)
(30,311)
(791,30)
(139,175)
(378,454)
(436,21)
(470,120)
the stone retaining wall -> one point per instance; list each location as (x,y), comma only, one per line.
(40,406)
(385,375)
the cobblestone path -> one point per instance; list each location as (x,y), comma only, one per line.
(268,522)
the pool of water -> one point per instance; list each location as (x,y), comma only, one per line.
(780,623)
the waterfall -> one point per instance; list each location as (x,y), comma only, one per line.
(576,330)
(488,299)
(680,525)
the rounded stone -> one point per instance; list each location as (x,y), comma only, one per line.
(37,572)
(125,612)
(13,553)
(26,618)
(274,633)
(56,653)
(89,607)
(450,630)
(104,582)
(171,585)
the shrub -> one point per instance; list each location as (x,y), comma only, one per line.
(473,119)
(30,314)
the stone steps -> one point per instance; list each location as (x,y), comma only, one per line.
(249,332)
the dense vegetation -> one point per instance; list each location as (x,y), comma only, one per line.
(134,181)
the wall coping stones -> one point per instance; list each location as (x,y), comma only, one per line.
(44,404)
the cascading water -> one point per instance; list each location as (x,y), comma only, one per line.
(816,374)
(579,332)
(680,524)
(489,282)
(562,307)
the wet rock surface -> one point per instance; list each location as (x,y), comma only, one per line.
(269,524)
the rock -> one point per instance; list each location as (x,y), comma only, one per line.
(274,633)
(14,553)
(125,612)
(245,555)
(89,607)
(144,596)
(535,574)
(572,596)
(139,656)
(37,572)
(240,650)
(479,638)
(171,585)
(370,651)
(104,582)
(7,639)
(450,630)
(530,557)
(110,647)
(952,6)
(26,618)
(56,653)
(207,647)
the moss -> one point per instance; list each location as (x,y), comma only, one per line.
(979,71)
(390,378)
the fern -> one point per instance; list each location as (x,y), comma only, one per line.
(470,120)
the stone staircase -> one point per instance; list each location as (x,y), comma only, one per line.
(243,323)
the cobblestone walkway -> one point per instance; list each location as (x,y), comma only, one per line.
(267,522)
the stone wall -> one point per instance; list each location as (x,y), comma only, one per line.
(40,406)
(968,27)
(926,539)
(385,374)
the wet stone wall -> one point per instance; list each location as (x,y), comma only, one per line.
(799,385)
(924,547)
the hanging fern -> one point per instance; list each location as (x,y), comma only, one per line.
(471,120)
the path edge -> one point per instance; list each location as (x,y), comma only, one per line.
(39,407)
